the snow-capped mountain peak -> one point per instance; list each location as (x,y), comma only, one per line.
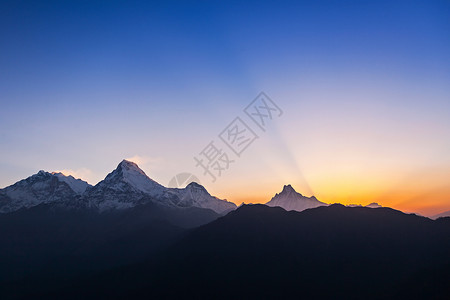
(129,173)
(42,187)
(128,186)
(130,167)
(195,194)
(194,185)
(371,205)
(125,187)
(287,189)
(289,199)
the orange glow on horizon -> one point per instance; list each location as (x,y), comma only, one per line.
(427,197)
(428,207)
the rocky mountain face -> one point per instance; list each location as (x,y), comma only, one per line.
(289,199)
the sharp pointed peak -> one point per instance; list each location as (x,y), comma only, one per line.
(129,172)
(41,174)
(128,165)
(194,184)
(61,174)
(288,188)
(126,162)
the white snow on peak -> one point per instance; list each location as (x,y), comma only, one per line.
(77,185)
(40,188)
(125,187)
(130,173)
(289,199)
(374,205)
(196,195)
(288,189)
(371,205)
(130,167)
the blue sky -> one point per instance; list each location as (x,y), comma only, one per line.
(84,84)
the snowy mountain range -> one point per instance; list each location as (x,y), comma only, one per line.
(41,188)
(126,187)
(371,205)
(289,199)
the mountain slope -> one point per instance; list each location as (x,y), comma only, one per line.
(259,252)
(125,187)
(47,242)
(195,195)
(77,185)
(129,173)
(41,188)
(289,199)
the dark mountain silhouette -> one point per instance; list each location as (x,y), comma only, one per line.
(48,242)
(54,226)
(130,237)
(260,252)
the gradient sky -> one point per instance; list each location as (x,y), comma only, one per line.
(364,87)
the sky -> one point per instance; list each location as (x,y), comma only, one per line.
(362,90)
